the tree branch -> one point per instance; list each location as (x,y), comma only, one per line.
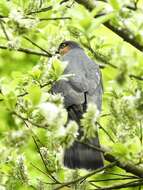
(136,77)
(45,9)
(40,170)
(56,18)
(86,176)
(48,54)
(26,119)
(90,5)
(133,8)
(128,167)
(113,179)
(49,173)
(125,185)
(4,30)
(25,50)
(100,56)
(106,132)
(25,93)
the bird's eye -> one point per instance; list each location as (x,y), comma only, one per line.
(63,45)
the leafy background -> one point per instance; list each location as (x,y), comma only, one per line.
(31,131)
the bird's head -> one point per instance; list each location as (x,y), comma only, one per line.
(65,46)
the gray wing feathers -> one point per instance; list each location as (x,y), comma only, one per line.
(87,78)
(76,67)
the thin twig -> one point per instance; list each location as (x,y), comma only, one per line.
(97,148)
(56,18)
(49,54)
(55,180)
(113,179)
(2,16)
(136,4)
(63,1)
(86,176)
(25,93)
(41,86)
(125,185)
(106,132)
(26,119)
(99,56)
(97,186)
(45,9)
(128,167)
(43,172)
(141,133)
(121,175)
(35,137)
(4,30)
(136,77)
(90,5)
(25,50)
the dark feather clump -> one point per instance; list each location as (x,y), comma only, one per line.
(80,155)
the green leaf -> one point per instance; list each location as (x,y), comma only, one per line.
(57,69)
(57,66)
(97,10)
(10,100)
(115,4)
(86,23)
(104,18)
(1,96)
(34,93)
(36,73)
(4,9)
(119,150)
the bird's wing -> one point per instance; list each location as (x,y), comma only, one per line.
(95,89)
(73,88)
(75,66)
(86,79)
(89,75)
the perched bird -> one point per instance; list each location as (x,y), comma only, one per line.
(83,87)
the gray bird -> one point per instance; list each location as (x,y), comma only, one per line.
(84,86)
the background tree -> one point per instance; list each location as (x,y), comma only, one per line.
(32,120)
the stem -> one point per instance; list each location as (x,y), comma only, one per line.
(53,178)
(49,54)
(45,9)
(26,119)
(106,132)
(136,77)
(56,18)
(127,166)
(86,176)
(90,5)
(4,30)
(125,185)
(25,50)
(112,179)
(42,172)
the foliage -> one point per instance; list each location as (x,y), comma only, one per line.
(33,133)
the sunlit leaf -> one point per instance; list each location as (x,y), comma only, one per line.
(34,93)
(115,4)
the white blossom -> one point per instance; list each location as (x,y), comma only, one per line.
(16,15)
(50,112)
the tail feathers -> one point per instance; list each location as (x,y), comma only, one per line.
(82,156)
